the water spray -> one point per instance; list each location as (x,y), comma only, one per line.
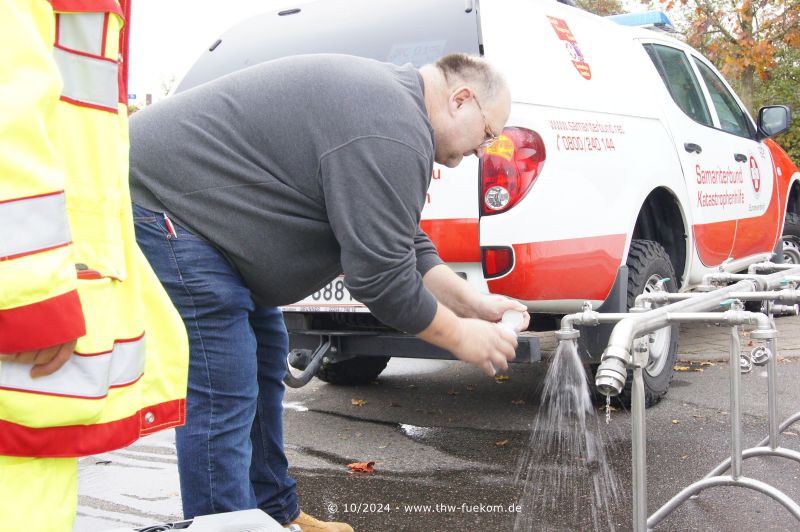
(628,348)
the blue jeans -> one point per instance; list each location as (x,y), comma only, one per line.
(230,452)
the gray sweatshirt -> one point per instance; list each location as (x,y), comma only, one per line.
(297,170)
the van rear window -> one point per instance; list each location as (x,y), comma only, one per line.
(396,31)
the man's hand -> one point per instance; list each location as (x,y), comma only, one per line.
(459,296)
(491,308)
(487,345)
(45,361)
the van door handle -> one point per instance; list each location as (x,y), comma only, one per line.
(692,147)
(740,157)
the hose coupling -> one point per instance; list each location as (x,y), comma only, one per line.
(612,373)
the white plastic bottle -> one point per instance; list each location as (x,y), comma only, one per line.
(512,320)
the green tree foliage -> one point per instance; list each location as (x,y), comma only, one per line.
(754,43)
(601,7)
(782,86)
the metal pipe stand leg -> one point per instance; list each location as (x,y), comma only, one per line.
(772,400)
(736,406)
(639,457)
(769,446)
(735,478)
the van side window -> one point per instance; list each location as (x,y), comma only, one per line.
(731,117)
(676,72)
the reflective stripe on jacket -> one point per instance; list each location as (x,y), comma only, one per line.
(64,202)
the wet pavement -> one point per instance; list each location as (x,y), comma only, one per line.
(447,442)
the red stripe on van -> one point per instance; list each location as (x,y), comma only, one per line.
(759,234)
(577,268)
(456,239)
(714,241)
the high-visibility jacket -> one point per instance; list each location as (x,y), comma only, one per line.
(69,264)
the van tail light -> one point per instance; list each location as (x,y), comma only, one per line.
(509,168)
(496,261)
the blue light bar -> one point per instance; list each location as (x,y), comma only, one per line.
(658,19)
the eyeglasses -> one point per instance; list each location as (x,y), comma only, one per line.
(491,137)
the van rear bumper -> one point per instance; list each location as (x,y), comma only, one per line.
(350,344)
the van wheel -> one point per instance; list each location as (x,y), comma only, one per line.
(649,264)
(791,238)
(353,371)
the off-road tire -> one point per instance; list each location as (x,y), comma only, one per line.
(647,261)
(354,371)
(791,238)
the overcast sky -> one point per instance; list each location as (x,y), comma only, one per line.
(167,36)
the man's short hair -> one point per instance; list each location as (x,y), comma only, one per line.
(465,69)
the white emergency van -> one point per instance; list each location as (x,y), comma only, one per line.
(627,164)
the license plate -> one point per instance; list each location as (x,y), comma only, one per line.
(333,297)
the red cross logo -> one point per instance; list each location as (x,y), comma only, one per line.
(755,175)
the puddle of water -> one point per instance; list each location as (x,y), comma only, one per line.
(565,471)
(296,406)
(417,433)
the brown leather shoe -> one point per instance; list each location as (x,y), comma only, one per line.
(310,524)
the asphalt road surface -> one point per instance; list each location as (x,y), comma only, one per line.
(447,443)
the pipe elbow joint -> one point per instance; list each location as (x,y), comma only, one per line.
(759,284)
(764,329)
(568,330)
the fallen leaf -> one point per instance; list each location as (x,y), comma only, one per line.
(518,402)
(501,443)
(362,467)
(357,402)
(382,446)
(707,363)
(502,378)
(452,392)
(675,421)
(412,385)
(681,368)
(684,457)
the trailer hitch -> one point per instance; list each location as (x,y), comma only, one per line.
(307,360)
